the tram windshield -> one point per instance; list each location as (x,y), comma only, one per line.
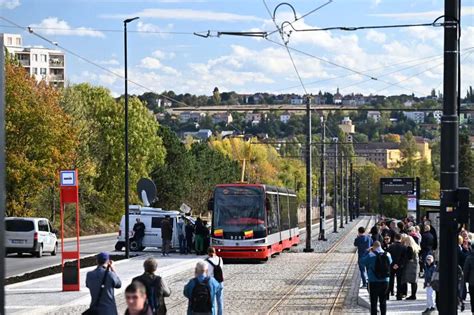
(238,209)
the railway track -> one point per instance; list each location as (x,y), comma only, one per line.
(335,304)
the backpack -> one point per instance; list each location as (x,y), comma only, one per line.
(435,280)
(201,297)
(153,286)
(218,274)
(382,266)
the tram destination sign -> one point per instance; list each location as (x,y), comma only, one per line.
(397,186)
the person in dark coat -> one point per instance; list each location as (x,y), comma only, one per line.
(398,253)
(106,303)
(375,234)
(166,235)
(200,234)
(410,271)
(427,243)
(139,232)
(154,283)
(433,233)
(189,230)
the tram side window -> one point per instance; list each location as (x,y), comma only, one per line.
(284,213)
(272,214)
(293,212)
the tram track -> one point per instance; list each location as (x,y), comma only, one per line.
(327,255)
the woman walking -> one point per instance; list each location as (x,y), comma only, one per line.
(410,272)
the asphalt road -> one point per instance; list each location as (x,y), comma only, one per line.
(18,265)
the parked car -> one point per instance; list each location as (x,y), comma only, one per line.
(30,235)
(152,218)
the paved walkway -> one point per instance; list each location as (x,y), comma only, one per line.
(41,296)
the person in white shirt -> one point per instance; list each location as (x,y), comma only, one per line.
(215,269)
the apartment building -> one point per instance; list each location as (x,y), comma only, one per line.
(41,63)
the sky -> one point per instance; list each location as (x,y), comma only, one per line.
(164,54)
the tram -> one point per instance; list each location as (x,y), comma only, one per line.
(253,221)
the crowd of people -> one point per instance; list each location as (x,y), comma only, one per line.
(192,237)
(146,293)
(401,252)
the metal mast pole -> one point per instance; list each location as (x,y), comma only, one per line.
(351,192)
(347,189)
(2,176)
(342,188)
(308,177)
(127,218)
(335,187)
(322,202)
(449,161)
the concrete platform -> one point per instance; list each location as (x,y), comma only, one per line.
(44,295)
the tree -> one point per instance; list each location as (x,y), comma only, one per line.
(40,140)
(391,137)
(216,96)
(466,163)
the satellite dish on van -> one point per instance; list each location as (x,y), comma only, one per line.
(146,190)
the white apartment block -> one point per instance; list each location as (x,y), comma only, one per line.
(41,63)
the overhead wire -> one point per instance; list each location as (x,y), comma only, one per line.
(51,42)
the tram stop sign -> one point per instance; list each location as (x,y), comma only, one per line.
(397,186)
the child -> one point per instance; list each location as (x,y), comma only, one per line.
(430,268)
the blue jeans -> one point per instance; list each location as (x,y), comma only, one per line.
(182,244)
(220,300)
(363,273)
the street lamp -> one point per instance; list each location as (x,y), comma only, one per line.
(127,219)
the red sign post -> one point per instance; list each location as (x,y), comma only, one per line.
(69,194)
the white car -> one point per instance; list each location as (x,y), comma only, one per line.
(30,235)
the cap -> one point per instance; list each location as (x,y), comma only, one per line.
(430,257)
(102,258)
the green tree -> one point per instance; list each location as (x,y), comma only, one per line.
(466,163)
(216,96)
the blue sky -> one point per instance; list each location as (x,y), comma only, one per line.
(404,60)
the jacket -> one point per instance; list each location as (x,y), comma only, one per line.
(469,269)
(146,310)
(410,271)
(369,262)
(429,269)
(427,242)
(166,230)
(398,253)
(106,305)
(161,291)
(215,287)
(363,243)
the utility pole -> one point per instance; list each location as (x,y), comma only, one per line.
(449,161)
(351,192)
(347,189)
(342,188)
(368,195)
(308,248)
(322,200)
(2,176)
(358,195)
(335,187)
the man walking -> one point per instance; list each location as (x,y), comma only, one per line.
(101,283)
(139,232)
(215,270)
(166,235)
(363,242)
(201,291)
(378,263)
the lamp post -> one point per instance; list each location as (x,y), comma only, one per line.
(127,219)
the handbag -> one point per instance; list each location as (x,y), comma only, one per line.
(92,310)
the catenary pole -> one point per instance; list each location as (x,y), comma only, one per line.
(2,176)
(351,192)
(347,189)
(449,162)
(341,168)
(308,177)
(322,201)
(335,186)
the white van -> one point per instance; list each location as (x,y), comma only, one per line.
(30,235)
(152,218)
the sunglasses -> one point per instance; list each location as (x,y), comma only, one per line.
(131,297)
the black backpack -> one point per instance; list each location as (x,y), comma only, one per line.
(218,274)
(153,288)
(201,297)
(382,266)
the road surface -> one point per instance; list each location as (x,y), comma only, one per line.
(18,265)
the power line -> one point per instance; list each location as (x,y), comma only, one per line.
(31,31)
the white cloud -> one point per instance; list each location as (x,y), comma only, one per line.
(376,37)
(54,26)
(153,29)
(163,54)
(377,2)
(186,14)
(465,11)
(150,63)
(9,4)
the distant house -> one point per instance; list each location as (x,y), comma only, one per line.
(359,100)
(374,115)
(197,117)
(417,117)
(184,117)
(164,102)
(348,100)
(297,100)
(204,134)
(424,151)
(437,114)
(285,117)
(346,126)
(222,118)
(408,103)
(253,118)
(160,116)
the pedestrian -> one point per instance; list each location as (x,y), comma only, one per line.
(469,275)
(430,268)
(375,234)
(398,254)
(378,264)
(166,235)
(363,242)
(101,283)
(135,296)
(189,230)
(181,227)
(433,233)
(215,270)
(207,237)
(156,287)
(427,243)
(139,232)
(199,236)
(201,292)
(410,271)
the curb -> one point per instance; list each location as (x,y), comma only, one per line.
(89,237)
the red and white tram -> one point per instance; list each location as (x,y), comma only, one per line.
(253,221)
